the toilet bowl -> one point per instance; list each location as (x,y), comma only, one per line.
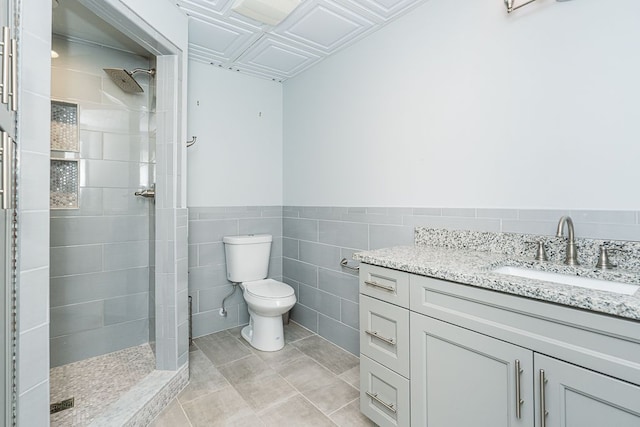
(247,261)
(267,300)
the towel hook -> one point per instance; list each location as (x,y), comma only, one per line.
(192,141)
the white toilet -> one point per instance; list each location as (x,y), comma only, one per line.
(248,264)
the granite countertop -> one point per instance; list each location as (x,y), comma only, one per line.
(474,267)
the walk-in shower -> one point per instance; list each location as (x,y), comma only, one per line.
(102,236)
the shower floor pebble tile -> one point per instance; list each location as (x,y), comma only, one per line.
(311,382)
(97,382)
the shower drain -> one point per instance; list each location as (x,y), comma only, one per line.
(61,406)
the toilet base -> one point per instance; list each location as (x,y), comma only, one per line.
(264,333)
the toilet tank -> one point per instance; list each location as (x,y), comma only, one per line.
(247,257)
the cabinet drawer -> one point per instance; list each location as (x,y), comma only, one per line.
(384,395)
(384,334)
(385,284)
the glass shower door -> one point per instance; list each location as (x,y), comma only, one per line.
(7,275)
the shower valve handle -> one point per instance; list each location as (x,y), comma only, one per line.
(149,193)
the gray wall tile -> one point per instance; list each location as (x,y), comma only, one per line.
(34,287)
(271,226)
(210,254)
(211,299)
(320,301)
(34,366)
(126,309)
(290,248)
(350,313)
(384,236)
(70,319)
(300,272)
(305,316)
(347,234)
(209,322)
(301,229)
(119,256)
(206,277)
(89,287)
(71,348)
(340,284)
(319,254)
(339,334)
(208,231)
(68,260)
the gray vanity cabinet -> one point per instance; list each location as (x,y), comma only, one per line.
(478,357)
(462,378)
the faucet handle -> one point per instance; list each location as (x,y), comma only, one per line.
(603,259)
(541,254)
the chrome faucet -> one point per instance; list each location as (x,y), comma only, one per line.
(572,254)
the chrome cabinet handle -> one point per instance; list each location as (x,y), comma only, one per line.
(543,409)
(375,397)
(380,337)
(380,286)
(14,75)
(5,64)
(519,400)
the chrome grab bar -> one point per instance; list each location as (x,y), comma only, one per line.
(380,337)
(375,397)
(345,263)
(380,286)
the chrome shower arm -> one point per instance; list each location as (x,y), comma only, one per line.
(510,8)
(151,72)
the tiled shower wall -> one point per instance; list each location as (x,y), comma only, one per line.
(208,282)
(315,239)
(100,254)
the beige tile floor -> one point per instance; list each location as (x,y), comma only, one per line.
(310,382)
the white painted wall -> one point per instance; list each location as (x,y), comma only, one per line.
(237,160)
(459,105)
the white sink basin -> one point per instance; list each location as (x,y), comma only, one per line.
(565,279)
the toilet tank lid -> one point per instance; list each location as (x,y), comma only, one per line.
(247,239)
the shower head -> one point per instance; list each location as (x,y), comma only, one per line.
(124,79)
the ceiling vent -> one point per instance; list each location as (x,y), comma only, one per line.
(270,12)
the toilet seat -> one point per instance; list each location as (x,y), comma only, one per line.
(268,289)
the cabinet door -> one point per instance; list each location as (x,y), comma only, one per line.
(577,397)
(461,378)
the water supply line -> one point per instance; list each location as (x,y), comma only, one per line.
(223,311)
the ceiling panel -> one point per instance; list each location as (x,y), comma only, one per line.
(316,29)
(221,38)
(274,57)
(387,9)
(324,25)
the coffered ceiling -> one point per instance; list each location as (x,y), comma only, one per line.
(314,30)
